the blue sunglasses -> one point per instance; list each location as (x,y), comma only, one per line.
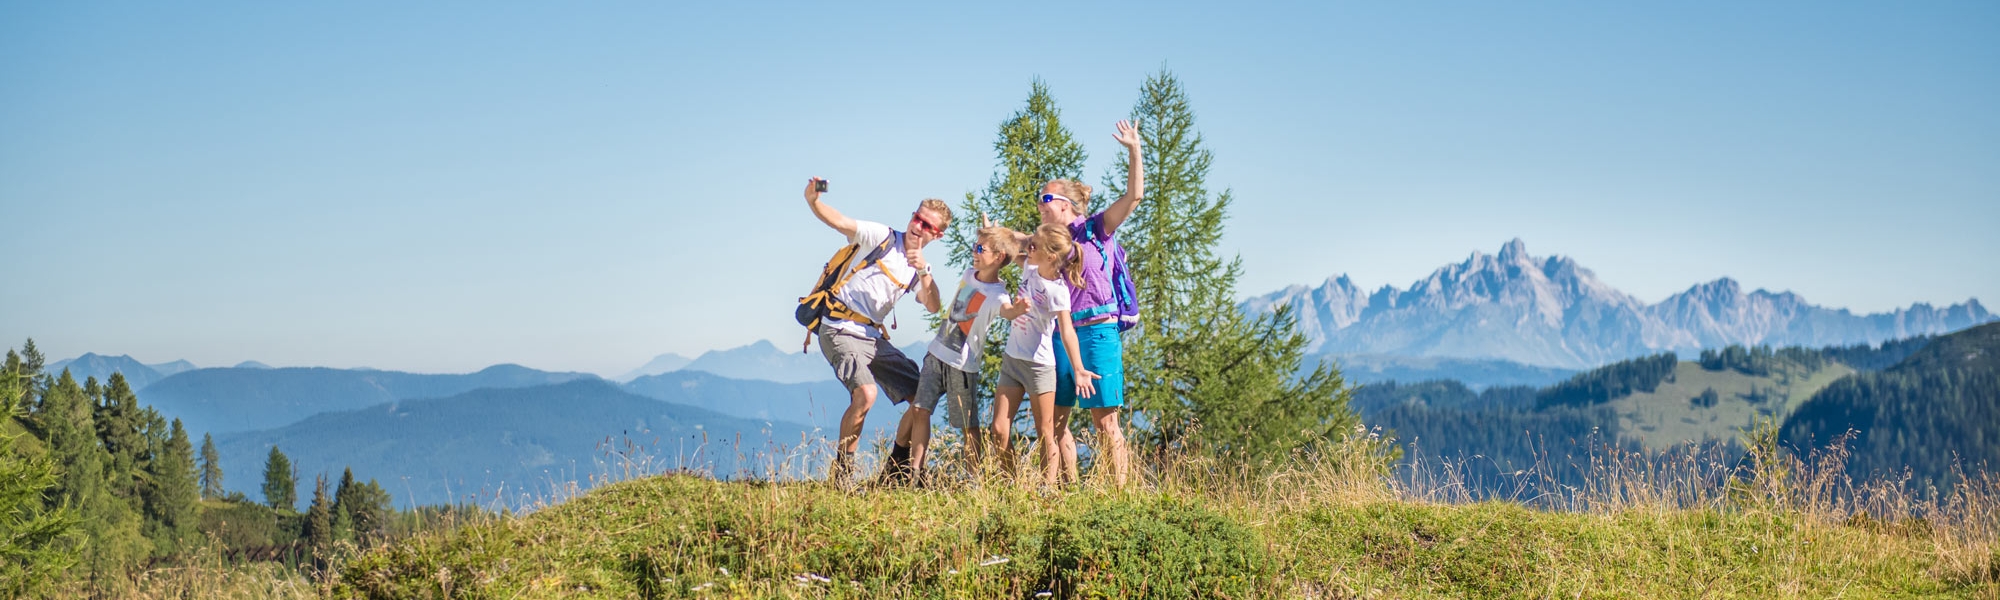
(1047,198)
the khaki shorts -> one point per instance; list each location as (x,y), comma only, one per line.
(1036,379)
(859,361)
(959,388)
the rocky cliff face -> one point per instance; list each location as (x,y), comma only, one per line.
(1553,312)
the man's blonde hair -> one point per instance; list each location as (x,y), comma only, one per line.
(938,206)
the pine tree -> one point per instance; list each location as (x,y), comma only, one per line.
(1201,371)
(344,503)
(1033,148)
(36,539)
(112,528)
(280,483)
(121,428)
(318,531)
(211,469)
(173,494)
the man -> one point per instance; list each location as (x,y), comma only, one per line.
(859,351)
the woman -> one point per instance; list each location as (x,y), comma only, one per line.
(1094,306)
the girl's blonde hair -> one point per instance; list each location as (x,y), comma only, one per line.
(1078,192)
(1002,240)
(1054,239)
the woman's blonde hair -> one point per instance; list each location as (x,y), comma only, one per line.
(1002,240)
(1054,239)
(1076,191)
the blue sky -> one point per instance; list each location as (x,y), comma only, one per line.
(445,186)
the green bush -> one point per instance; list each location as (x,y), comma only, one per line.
(1160,547)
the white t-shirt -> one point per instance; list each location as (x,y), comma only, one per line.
(870,291)
(962,341)
(1029,338)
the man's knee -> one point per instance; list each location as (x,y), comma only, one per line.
(862,397)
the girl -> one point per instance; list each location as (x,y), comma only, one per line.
(1028,366)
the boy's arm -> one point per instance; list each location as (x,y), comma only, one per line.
(1084,387)
(827,214)
(1135,179)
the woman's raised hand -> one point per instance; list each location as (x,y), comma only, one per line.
(1128,135)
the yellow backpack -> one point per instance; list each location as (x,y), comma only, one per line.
(824,299)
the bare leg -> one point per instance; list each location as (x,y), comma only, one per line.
(1043,407)
(1106,421)
(905,426)
(919,421)
(1065,444)
(1006,401)
(859,401)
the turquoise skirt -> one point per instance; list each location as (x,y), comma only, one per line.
(1104,354)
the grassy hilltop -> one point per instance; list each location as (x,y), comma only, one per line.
(1324,528)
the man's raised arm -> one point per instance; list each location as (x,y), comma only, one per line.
(827,214)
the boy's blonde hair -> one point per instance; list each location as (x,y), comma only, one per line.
(1002,240)
(1054,238)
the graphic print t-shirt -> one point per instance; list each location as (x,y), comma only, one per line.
(1029,338)
(962,341)
(874,290)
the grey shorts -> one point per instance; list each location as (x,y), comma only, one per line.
(859,361)
(1036,379)
(959,388)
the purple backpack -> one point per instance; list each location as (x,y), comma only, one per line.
(1127,304)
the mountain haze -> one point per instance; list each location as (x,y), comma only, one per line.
(241,399)
(1551,311)
(101,367)
(511,444)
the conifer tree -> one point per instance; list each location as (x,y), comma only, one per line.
(1033,148)
(173,493)
(280,483)
(318,531)
(36,540)
(1196,358)
(113,538)
(344,503)
(211,469)
(121,427)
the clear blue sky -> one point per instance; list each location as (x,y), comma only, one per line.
(443,186)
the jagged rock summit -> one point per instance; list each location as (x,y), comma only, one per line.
(1551,311)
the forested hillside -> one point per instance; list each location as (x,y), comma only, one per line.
(1933,413)
(1937,404)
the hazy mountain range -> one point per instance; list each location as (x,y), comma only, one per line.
(137,375)
(518,444)
(245,398)
(1551,311)
(757,360)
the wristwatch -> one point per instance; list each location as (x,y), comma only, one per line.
(926,271)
